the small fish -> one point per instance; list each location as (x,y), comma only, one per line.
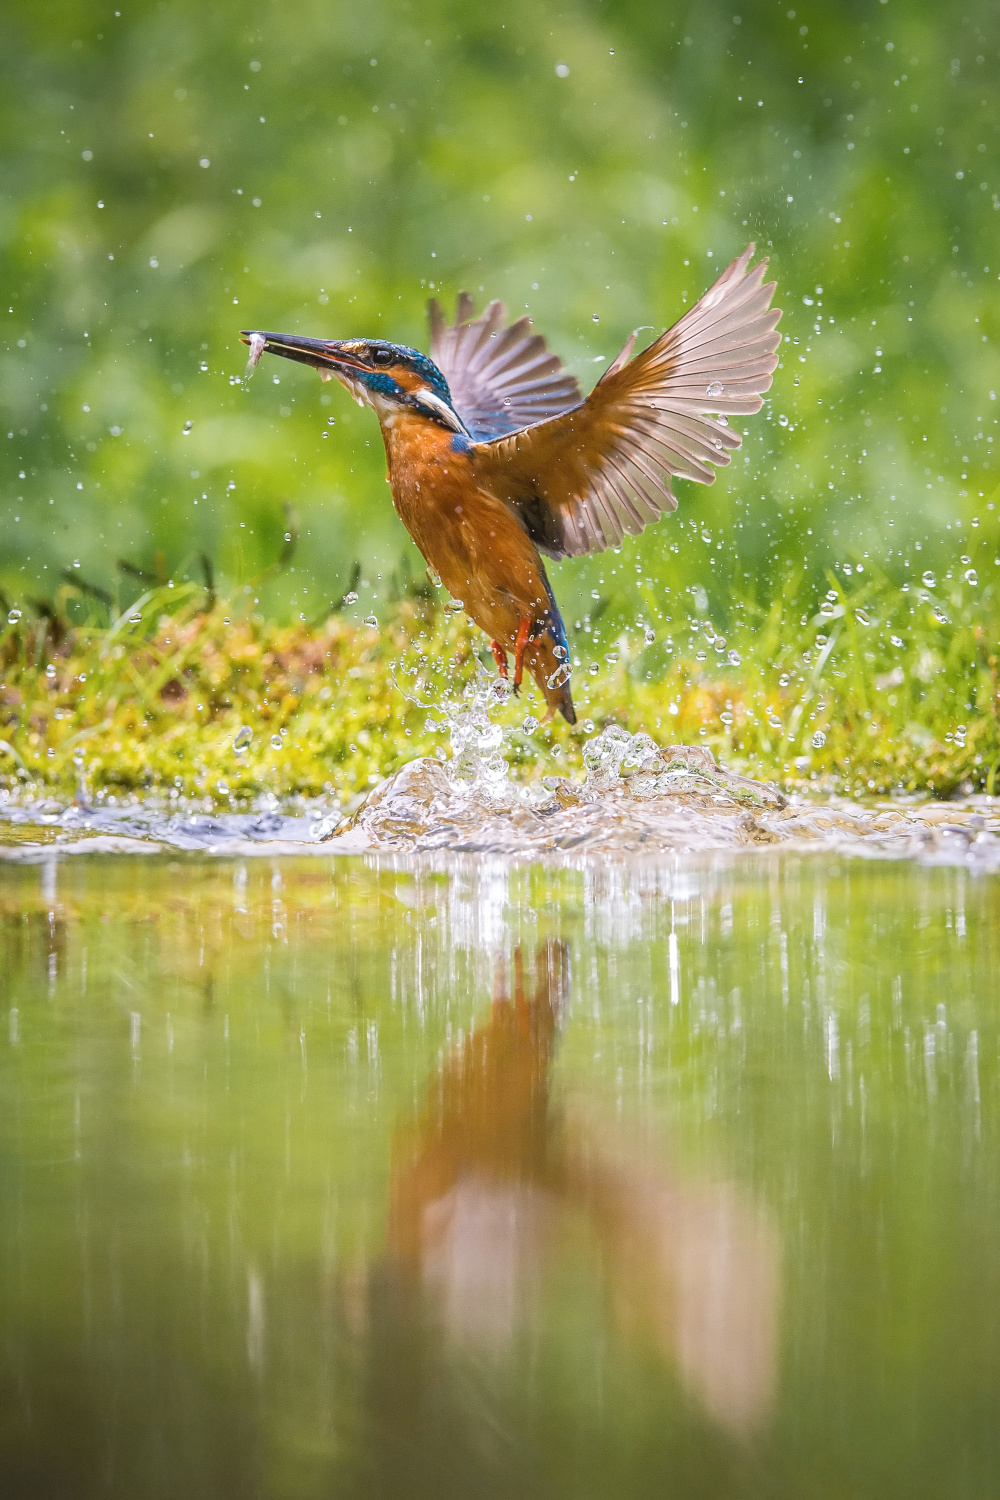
(256,342)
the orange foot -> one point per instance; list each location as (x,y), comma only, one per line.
(500,657)
(523,633)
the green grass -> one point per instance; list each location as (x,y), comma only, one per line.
(882,689)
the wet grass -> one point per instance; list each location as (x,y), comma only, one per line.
(874,689)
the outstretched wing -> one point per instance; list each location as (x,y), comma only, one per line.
(583,479)
(500,378)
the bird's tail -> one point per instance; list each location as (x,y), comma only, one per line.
(545,660)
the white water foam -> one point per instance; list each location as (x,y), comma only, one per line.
(636,798)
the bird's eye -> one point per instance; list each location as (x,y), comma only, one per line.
(381,357)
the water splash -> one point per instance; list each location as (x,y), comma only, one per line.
(640,798)
(478,767)
(637,798)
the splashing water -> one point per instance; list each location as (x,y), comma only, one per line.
(478,766)
(637,798)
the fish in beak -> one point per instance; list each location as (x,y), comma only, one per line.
(328,356)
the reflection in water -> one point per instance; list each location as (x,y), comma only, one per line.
(474,1181)
(491,1178)
(288,1208)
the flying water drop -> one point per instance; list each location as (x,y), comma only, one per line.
(242,739)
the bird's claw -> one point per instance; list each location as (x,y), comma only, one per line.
(523,635)
(500,657)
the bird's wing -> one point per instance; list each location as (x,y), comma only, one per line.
(500,378)
(582,479)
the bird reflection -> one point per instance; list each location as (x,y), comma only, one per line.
(473,1180)
(491,1179)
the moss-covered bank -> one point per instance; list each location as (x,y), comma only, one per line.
(884,690)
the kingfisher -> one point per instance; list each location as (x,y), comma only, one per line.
(494,457)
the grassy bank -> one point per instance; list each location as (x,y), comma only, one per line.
(873,689)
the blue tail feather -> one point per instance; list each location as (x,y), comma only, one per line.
(555,618)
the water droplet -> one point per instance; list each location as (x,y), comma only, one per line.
(611,657)
(276,742)
(715,389)
(735,658)
(530,725)
(895,640)
(242,740)
(649,635)
(187,427)
(351,598)
(862,617)
(13,617)
(971,576)
(588,726)
(929,580)
(940,615)
(596,318)
(819,740)
(371,620)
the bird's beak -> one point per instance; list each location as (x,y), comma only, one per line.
(325,355)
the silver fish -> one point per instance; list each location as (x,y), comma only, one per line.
(257,342)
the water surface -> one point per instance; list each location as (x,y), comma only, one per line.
(396,1176)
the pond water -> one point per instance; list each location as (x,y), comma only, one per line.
(391,1175)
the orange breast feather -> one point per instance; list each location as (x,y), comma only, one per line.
(473,542)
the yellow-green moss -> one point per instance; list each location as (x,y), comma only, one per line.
(157,700)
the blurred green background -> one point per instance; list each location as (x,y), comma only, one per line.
(173,172)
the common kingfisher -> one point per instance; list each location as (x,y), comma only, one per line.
(495,457)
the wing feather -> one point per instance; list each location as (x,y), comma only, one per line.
(501,379)
(583,476)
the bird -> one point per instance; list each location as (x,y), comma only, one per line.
(494,456)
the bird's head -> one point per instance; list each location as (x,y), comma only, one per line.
(390,378)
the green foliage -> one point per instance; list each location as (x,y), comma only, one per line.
(879,689)
(176,172)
